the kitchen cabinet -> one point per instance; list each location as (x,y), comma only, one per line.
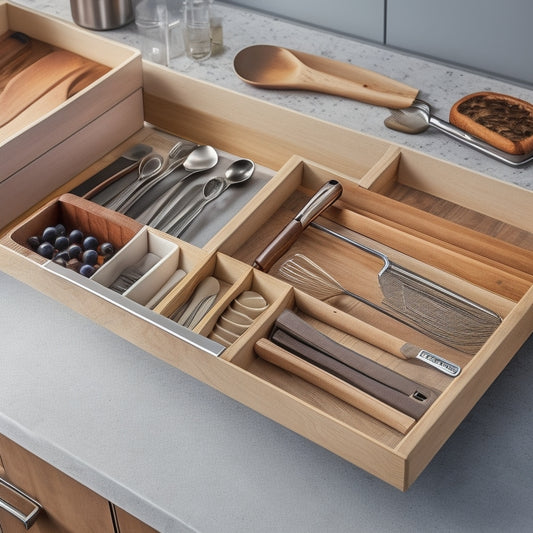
(126,523)
(67,505)
(491,36)
(488,36)
(361,18)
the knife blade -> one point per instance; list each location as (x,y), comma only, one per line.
(127,162)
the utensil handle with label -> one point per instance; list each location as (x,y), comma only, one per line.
(321,200)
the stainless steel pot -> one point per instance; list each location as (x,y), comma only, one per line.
(101,14)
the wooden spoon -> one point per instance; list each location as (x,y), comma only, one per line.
(13,45)
(58,94)
(274,67)
(36,80)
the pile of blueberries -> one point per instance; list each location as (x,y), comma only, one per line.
(74,250)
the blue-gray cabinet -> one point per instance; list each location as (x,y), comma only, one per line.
(491,36)
(488,35)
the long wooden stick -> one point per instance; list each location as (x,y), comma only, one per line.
(272,353)
(445,231)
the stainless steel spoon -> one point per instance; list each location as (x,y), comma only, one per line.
(201,159)
(418,118)
(238,172)
(176,157)
(149,166)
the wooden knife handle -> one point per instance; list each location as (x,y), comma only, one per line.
(281,244)
(319,202)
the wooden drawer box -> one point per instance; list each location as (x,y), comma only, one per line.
(463,230)
(44,148)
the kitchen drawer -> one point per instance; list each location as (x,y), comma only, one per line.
(462,230)
(88,123)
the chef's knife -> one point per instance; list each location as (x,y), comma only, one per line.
(127,162)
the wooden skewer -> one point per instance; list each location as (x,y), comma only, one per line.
(276,355)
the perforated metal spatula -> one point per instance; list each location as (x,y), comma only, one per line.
(438,311)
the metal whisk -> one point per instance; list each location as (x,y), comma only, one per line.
(465,332)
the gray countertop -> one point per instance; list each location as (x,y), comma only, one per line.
(183,457)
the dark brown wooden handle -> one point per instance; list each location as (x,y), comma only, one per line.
(281,243)
(318,203)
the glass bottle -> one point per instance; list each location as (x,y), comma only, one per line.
(196,29)
(217,36)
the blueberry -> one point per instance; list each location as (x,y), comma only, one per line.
(49,234)
(90,257)
(87,270)
(90,243)
(61,243)
(34,242)
(61,230)
(74,251)
(107,249)
(75,236)
(46,249)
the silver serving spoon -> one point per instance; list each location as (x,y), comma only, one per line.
(202,159)
(238,172)
(149,166)
(198,160)
(176,157)
(418,118)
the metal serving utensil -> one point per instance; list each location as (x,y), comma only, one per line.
(418,117)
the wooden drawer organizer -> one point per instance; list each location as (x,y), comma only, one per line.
(466,231)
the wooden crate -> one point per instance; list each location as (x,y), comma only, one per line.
(459,228)
(112,104)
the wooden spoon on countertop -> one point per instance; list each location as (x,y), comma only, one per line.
(36,80)
(274,67)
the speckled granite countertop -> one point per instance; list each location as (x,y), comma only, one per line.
(183,457)
(439,84)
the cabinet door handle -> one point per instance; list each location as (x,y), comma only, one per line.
(26,518)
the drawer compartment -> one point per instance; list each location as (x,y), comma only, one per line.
(425,215)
